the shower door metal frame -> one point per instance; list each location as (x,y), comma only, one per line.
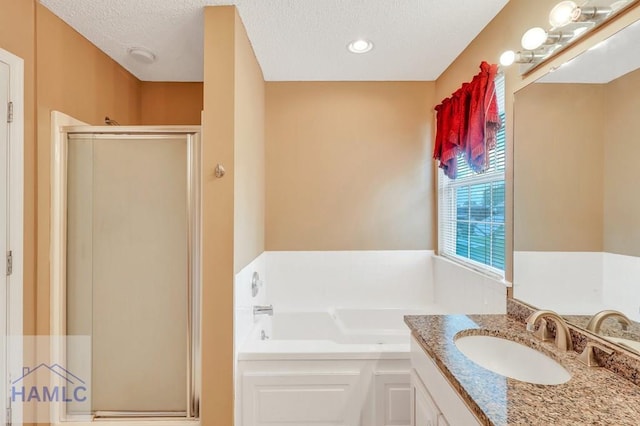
(194,244)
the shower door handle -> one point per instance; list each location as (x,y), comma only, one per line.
(219,170)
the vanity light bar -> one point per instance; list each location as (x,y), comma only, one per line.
(539,43)
(527,57)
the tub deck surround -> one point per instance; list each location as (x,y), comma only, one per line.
(338,333)
(591,396)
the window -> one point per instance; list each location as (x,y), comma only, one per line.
(471,208)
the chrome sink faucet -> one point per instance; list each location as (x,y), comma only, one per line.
(563,336)
(596,321)
(263,310)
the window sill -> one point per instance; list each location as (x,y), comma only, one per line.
(474,269)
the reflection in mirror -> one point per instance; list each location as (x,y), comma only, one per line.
(618,329)
(576,179)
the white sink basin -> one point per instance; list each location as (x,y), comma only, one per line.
(512,359)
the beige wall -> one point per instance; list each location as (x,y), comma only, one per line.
(164,103)
(76,78)
(349,166)
(559,167)
(621,154)
(17,35)
(216,405)
(249,155)
(233,230)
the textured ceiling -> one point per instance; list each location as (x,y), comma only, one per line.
(294,40)
(614,57)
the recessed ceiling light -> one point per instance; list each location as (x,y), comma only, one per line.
(142,55)
(360,46)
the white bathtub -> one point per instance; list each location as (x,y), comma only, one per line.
(337,367)
(340,333)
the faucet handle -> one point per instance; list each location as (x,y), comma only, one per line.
(542,333)
(588,355)
(563,335)
(256,284)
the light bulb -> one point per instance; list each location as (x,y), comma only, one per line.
(564,13)
(533,38)
(507,58)
(360,46)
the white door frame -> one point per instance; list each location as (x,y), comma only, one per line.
(15,231)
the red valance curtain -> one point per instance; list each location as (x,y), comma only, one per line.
(467,123)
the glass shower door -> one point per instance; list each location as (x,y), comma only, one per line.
(129,267)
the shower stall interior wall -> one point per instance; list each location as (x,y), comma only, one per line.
(132,253)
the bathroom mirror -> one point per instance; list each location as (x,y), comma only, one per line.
(576,179)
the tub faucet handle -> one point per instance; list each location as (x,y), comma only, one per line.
(263,310)
(256,284)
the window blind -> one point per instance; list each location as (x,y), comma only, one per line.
(471,215)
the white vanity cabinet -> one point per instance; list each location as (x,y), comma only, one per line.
(433,401)
(424,412)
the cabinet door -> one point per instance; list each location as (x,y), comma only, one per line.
(442,421)
(393,396)
(424,411)
(301,398)
(443,395)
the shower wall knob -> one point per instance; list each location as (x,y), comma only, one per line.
(256,283)
(219,171)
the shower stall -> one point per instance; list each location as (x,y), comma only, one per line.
(126,267)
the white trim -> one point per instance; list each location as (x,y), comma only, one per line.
(15,189)
(84,128)
(475,267)
(58,233)
(133,421)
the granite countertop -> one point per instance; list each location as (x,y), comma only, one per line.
(593,396)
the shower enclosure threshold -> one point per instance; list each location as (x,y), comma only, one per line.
(136,414)
(137,421)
